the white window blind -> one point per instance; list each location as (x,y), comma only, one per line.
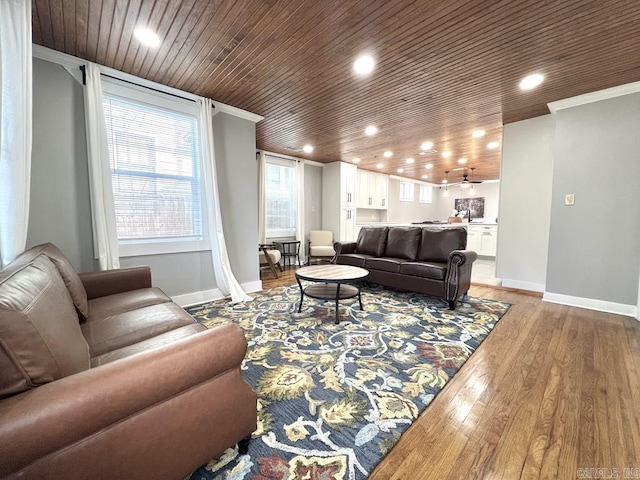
(425,195)
(280,188)
(155,164)
(406,192)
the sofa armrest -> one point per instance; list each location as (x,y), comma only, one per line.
(462,257)
(458,278)
(69,411)
(343,248)
(109,282)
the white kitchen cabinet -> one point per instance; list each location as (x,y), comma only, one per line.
(482,239)
(339,185)
(382,191)
(373,190)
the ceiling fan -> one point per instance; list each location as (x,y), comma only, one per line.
(465,179)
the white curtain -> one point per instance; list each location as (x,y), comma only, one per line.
(262,199)
(225,280)
(15,126)
(300,227)
(105,236)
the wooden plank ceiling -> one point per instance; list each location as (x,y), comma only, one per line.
(443,68)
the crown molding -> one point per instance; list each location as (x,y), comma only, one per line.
(591,97)
(72,63)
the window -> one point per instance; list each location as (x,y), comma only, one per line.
(155,160)
(406,192)
(425,194)
(280,188)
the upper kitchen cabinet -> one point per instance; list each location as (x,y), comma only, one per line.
(373,190)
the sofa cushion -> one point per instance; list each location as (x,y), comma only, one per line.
(154,342)
(372,240)
(437,271)
(124,329)
(40,338)
(355,259)
(66,271)
(436,245)
(384,264)
(403,242)
(102,307)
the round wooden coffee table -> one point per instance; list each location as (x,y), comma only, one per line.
(331,283)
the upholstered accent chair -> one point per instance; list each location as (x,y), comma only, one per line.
(320,246)
(269,256)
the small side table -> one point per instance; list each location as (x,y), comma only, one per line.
(289,250)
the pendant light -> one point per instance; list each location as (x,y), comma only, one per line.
(446,186)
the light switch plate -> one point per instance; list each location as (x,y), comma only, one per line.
(569,199)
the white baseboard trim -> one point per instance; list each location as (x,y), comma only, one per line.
(520,285)
(195,298)
(252,286)
(592,304)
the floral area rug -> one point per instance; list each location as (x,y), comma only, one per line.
(333,399)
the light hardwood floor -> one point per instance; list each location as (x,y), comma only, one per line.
(553,392)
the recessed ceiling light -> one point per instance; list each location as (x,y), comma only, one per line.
(307,149)
(446,154)
(379,165)
(400,170)
(426,146)
(478,133)
(387,154)
(531,81)
(492,145)
(428,166)
(364,65)
(462,160)
(445,181)
(371,130)
(356,160)
(425,177)
(147,37)
(410,160)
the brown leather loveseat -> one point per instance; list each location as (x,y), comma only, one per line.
(417,259)
(102,376)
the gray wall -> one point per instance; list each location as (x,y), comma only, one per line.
(312,198)
(60,211)
(525,202)
(594,247)
(60,205)
(237,169)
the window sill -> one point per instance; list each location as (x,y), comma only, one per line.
(161,247)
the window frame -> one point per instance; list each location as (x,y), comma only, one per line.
(282,233)
(160,100)
(406,197)
(429,196)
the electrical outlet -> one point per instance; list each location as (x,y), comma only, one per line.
(569,199)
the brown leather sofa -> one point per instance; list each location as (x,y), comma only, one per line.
(102,376)
(417,259)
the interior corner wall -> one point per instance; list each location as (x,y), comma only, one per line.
(594,246)
(237,170)
(60,211)
(526,174)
